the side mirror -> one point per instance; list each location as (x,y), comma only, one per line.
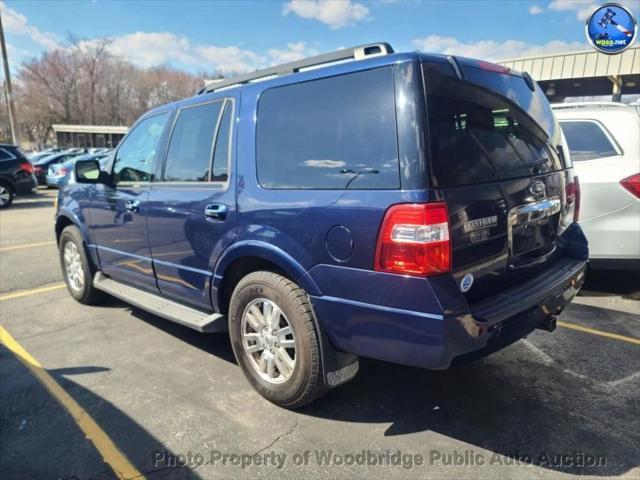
(88,171)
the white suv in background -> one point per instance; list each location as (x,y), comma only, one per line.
(604,141)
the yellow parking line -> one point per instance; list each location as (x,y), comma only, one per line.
(31,291)
(110,453)
(27,245)
(593,331)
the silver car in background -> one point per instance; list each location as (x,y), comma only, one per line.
(604,141)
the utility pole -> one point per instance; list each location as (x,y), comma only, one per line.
(8,89)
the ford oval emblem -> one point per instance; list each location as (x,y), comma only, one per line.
(466,282)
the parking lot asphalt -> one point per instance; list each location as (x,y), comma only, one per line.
(174,404)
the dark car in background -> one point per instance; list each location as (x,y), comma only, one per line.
(16,174)
(41,166)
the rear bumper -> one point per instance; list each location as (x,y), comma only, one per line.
(25,185)
(55,181)
(426,322)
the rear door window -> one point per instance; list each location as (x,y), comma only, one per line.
(332,133)
(221,157)
(191,146)
(478,135)
(587,140)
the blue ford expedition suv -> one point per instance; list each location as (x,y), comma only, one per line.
(418,209)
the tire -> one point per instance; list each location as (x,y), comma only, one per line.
(6,194)
(83,291)
(287,387)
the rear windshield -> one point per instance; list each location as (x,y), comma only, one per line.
(482,133)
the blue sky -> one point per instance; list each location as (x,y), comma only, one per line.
(238,36)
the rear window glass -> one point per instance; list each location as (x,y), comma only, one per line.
(587,140)
(478,135)
(333,133)
(5,155)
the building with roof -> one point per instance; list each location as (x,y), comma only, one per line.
(88,136)
(583,74)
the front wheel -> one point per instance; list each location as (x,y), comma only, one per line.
(76,267)
(274,339)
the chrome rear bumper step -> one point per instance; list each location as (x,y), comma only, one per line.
(165,308)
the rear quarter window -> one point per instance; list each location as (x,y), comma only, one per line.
(588,140)
(7,154)
(332,133)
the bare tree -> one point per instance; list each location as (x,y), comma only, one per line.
(85,83)
(93,57)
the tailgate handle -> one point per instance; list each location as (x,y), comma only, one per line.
(534,211)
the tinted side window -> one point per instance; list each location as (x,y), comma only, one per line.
(135,158)
(332,133)
(587,140)
(223,143)
(190,148)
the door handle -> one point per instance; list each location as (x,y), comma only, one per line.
(132,206)
(215,211)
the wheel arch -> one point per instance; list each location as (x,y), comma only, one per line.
(66,218)
(245,257)
(8,181)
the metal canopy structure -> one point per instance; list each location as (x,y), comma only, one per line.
(87,136)
(585,73)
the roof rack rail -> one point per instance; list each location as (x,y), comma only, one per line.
(559,106)
(355,53)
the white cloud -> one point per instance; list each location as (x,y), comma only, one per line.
(335,13)
(227,60)
(294,51)
(583,8)
(535,10)
(149,49)
(17,24)
(491,49)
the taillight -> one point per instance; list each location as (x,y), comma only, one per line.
(573,197)
(414,240)
(26,167)
(63,171)
(632,184)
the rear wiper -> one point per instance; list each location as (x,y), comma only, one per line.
(357,174)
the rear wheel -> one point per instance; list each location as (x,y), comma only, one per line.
(76,267)
(274,339)
(6,194)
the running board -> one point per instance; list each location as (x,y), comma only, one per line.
(170,310)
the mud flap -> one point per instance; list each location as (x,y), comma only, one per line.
(337,367)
